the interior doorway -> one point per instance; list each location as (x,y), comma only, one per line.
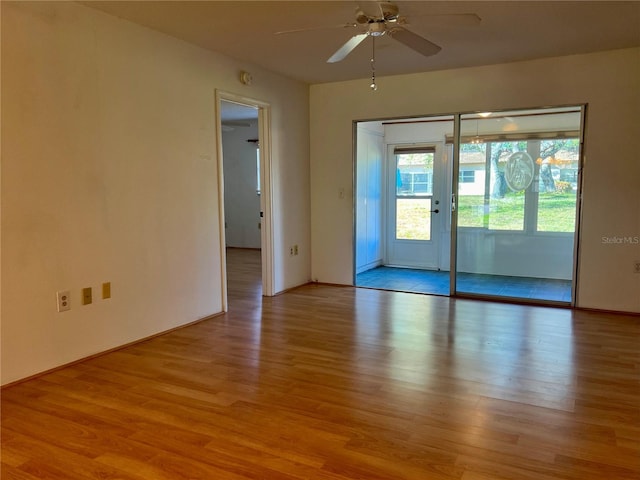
(245,191)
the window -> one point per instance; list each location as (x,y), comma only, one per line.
(467,176)
(414,174)
(258,169)
(414,188)
(531,185)
(557,185)
(413,183)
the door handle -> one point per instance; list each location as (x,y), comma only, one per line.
(437,210)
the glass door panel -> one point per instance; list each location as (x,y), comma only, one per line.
(517,203)
(414,189)
(414,230)
(413,218)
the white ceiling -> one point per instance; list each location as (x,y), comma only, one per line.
(232,112)
(509,31)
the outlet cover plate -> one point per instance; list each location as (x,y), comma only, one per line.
(64,300)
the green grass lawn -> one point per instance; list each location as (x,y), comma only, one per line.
(556,213)
(413,219)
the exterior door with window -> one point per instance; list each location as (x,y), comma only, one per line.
(415,207)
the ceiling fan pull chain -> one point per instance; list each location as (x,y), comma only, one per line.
(373,85)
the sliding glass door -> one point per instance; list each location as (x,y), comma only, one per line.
(482,204)
(517,192)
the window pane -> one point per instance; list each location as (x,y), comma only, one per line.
(258,170)
(558,184)
(467,176)
(471,186)
(557,212)
(414,174)
(499,208)
(506,206)
(413,219)
(507,213)
(471,211)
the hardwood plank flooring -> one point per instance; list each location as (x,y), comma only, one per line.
(336,383)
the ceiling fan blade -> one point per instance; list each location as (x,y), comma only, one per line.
(449,19)
(346,49)
(414,41)
(310,29)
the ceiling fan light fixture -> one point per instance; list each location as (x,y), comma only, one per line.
(477,140)
(377,29)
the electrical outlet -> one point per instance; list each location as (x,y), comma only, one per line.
(295,249)
(636,266)
(64,300)
(86,296)
(291,251)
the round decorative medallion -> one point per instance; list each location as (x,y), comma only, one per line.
(519,170)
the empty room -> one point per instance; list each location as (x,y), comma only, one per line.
(320,240)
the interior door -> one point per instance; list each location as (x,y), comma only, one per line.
(415,207)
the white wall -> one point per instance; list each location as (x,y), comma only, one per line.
(609,82)
(241,200)
(109,173)
(369,221)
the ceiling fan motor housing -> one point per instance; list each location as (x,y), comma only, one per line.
(377,29)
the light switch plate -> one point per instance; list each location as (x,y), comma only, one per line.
(86,296)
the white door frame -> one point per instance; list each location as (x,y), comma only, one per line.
(266,198)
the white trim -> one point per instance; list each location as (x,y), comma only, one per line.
(266,201)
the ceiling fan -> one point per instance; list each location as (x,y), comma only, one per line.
(388,21)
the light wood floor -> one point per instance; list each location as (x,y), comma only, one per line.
(330,383)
